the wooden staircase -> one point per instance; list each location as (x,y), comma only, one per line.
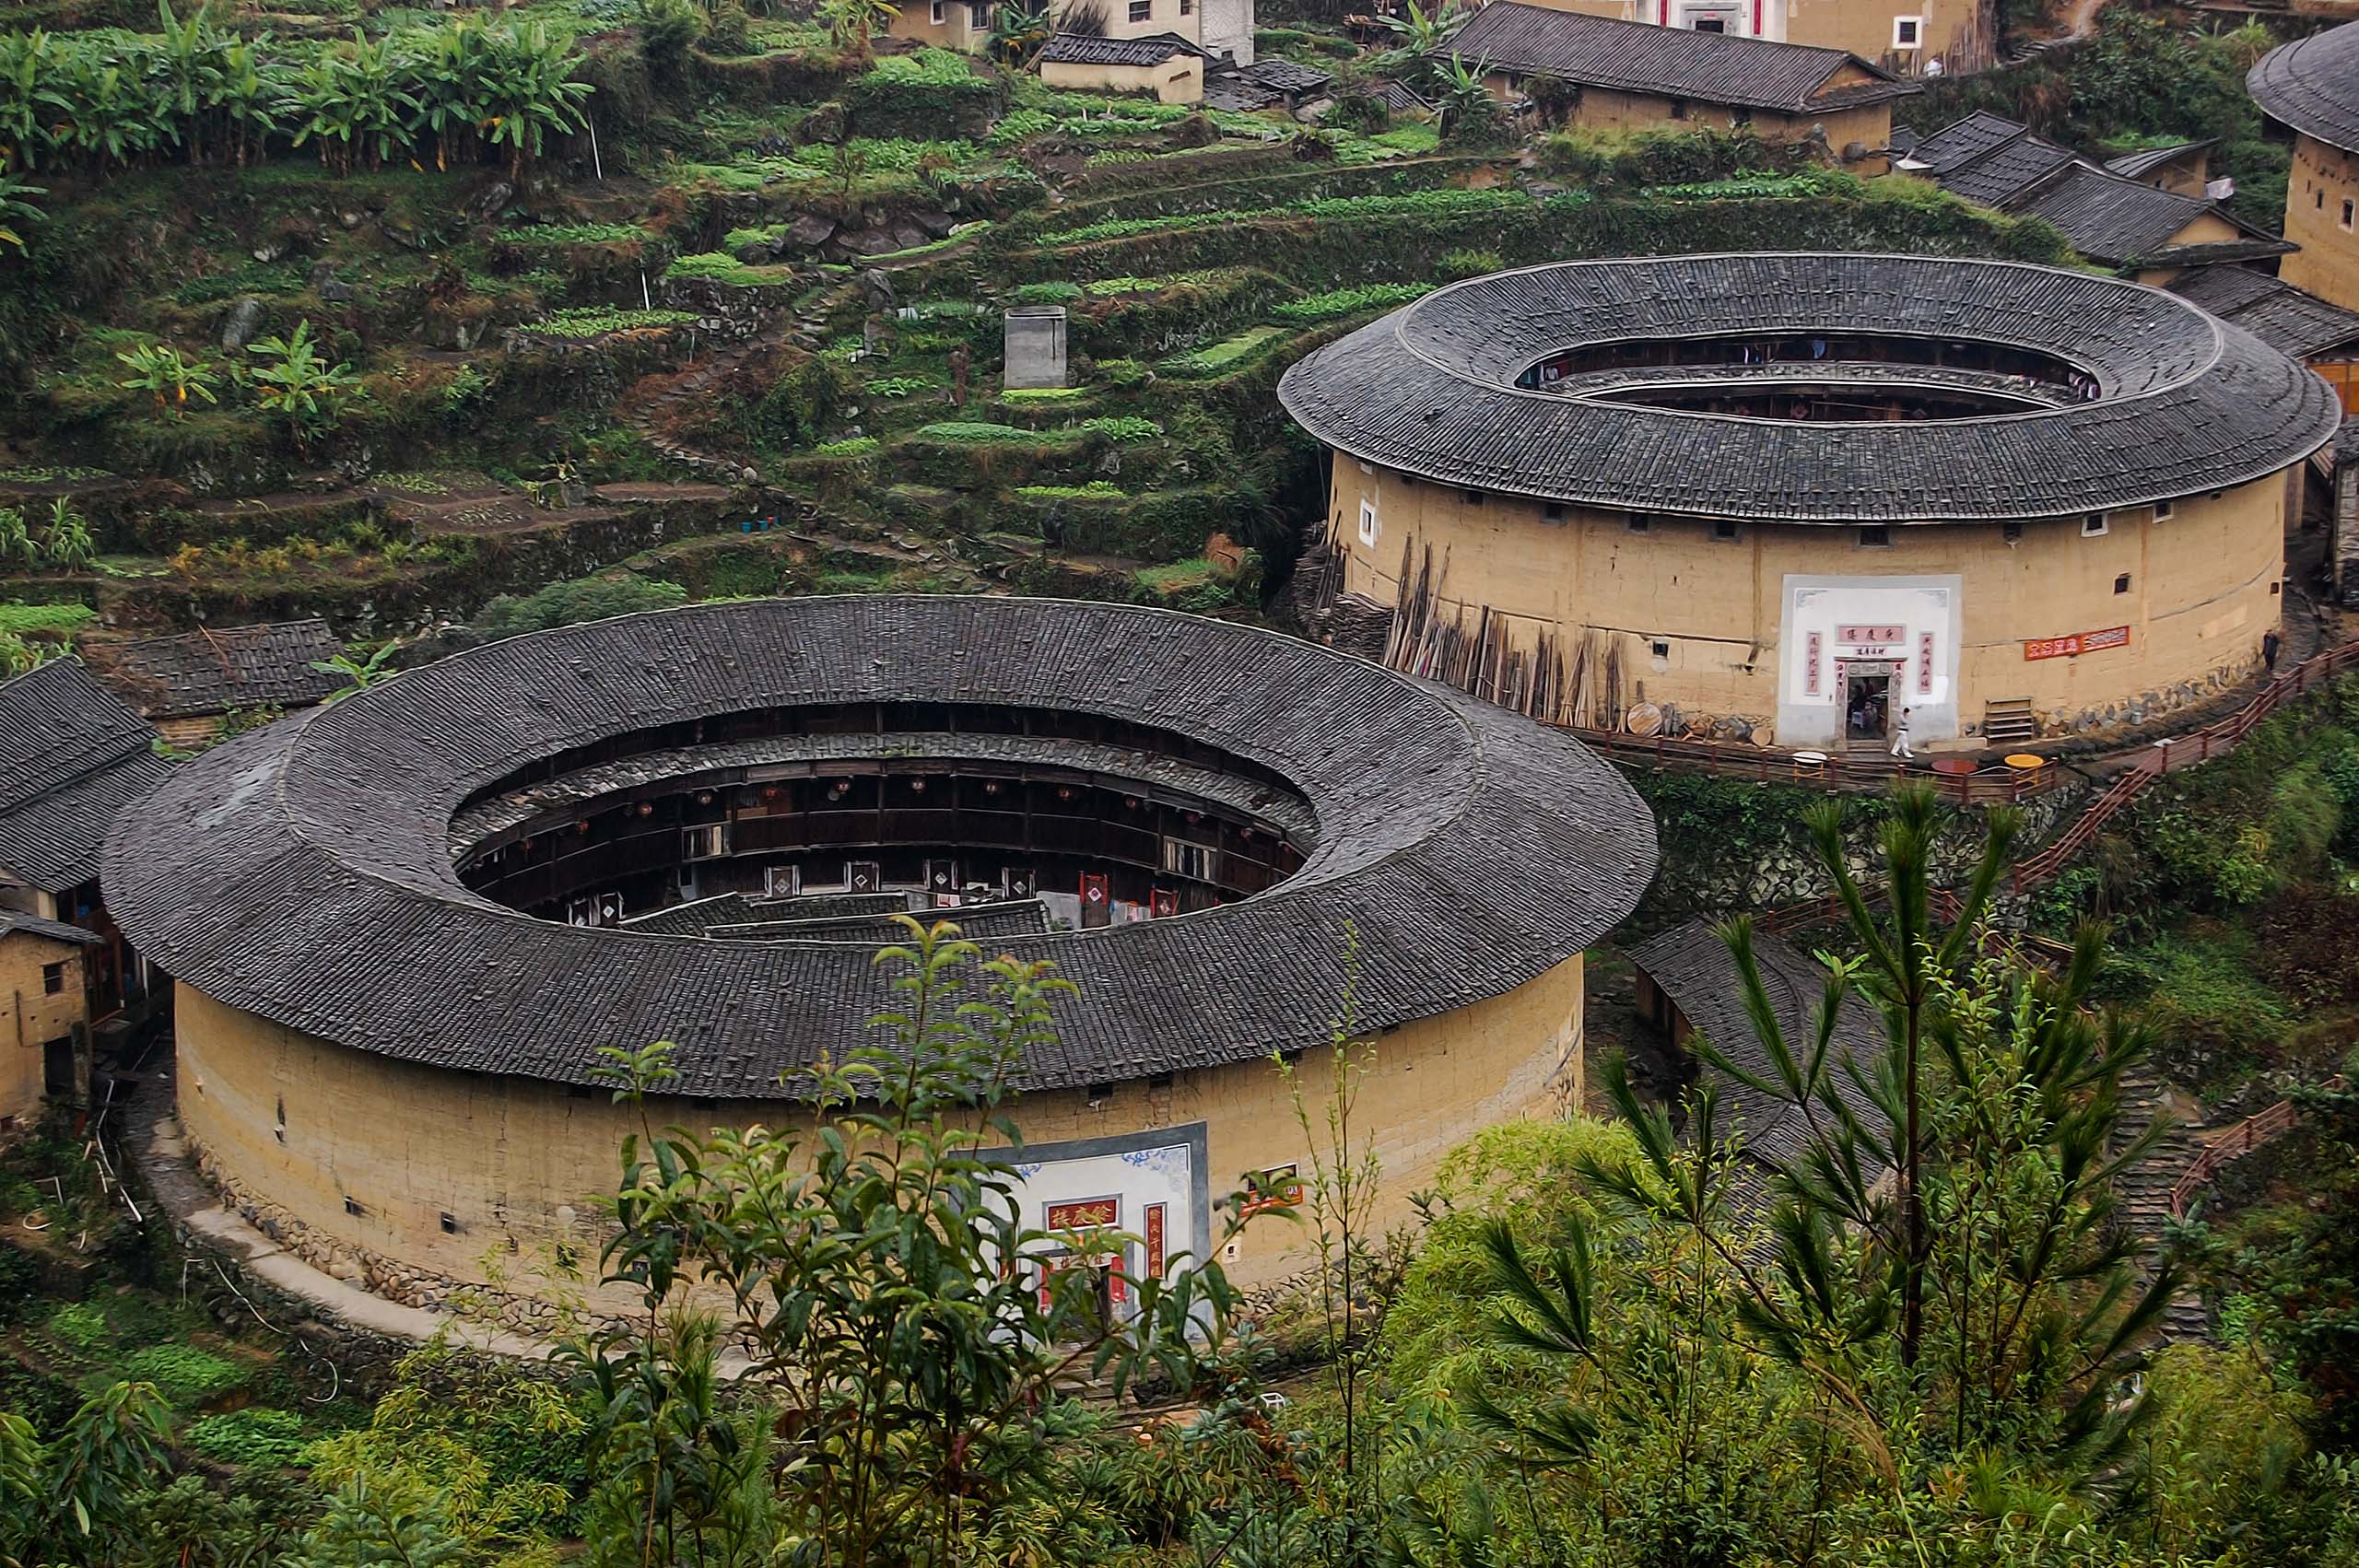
(2008,721)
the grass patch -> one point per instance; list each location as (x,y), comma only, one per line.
(256,1437)
(182,1374)
(981,432)
(1095,490)
(850,446)
(1041,394)
(1340,302)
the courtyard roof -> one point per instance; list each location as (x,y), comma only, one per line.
(2312,84)
(72,754)
(2178,402)
(304,873)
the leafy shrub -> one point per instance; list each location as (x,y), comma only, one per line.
(255,1437)
(1095,490)
(1214,358)
(1122,427)
(1456,264)
(80,1324)
(552,235)
(182,1374)
(1045,293)
(597,321)
(850,446)
(898,387)
(19,619)
(582,599)
(714,264)
(975,431)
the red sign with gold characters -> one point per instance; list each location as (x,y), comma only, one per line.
(1088,1214)
(2079,642)
(1155,1242)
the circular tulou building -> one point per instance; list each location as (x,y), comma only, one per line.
(1788,496)
(2311,87)
(400,926)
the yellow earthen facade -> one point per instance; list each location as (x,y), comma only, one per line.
(1698,615)
(41,989)
(2323,217)
(398,1172)
(1602,109)
(1179,79)
(1951,30)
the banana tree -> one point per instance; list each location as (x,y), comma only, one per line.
(162,372)
(16,540)
(108,116)
(31,103)
(67,543)
(528,94)
(15,209)
(356,104)
(851,23)
(1020,29)
(248,100)
(297,383)
(185,71)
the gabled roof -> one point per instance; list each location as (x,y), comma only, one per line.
(2106,216)
(207,671)
(2289,319)
(2313,86)
(1639,57)
(16,922)
(71,754)
(1960,143)
(1077,49)
(2135,165)
(1696,969)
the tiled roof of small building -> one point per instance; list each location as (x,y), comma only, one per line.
(71,754)
(303,872)
(15,922)
(2132,165)
(2289,319)
(2184,403)
(1077,49)
(1694,966)
(2313,86)
(203,672)
(1639,57)
(2107,215)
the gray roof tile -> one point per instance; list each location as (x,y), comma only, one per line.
(2313,86)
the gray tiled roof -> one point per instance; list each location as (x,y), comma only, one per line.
(209,671)
(2313,86)
(14,922)
(2186,403)
(1960,143)
(1666,62)
(1696,969)
(1076,49)
(71,754)
(2106,216)
(303,872)
(2133,165)
(2289,319)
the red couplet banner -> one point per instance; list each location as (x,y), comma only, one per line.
(2079,642)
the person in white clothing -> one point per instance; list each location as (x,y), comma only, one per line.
(1900,738)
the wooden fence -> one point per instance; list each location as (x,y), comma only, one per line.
(2257,1131)
(2183,751)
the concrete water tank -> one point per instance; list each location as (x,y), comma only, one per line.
(1034,347)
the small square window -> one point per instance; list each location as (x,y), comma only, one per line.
(1142,10)
(2122,583)
(1369,528)
(2318,201)
(2012,529)
(1723,529)
(2165,511)
(1679,108)
(2093,526)
(1661,650)
(937,12)
(2346,212)
(449,1223)
(1641,523)
(1187,7)
(53,979)
(1907,32)
(1553,511)
(1474,498)
(1876,536)
(1098,1093)
(352,1206)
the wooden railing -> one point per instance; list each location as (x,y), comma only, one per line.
(2256,1130)
(1842,772)
(2182,751)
